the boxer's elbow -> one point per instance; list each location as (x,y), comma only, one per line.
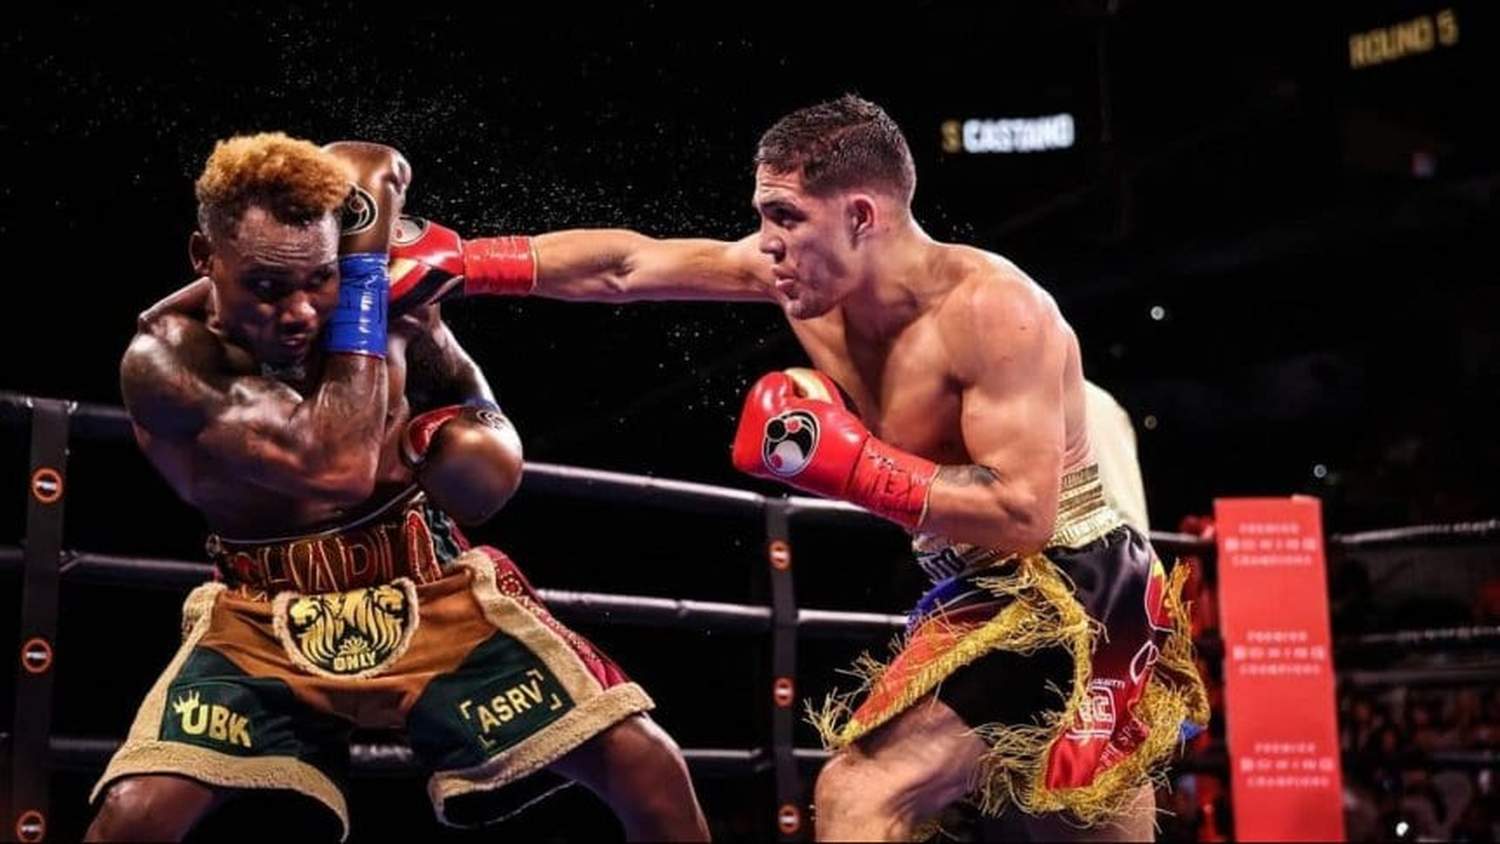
(1016,531)
(1028,529)
(1009,518)
(1026,515)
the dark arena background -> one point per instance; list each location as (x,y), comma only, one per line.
(1272,225)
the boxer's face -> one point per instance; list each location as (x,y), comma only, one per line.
(809,241)
(276,284)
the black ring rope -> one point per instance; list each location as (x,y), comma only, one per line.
(1423,534)
(1443,675)
(1443,638)
(115,570)
(74,753)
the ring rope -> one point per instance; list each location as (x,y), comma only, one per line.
(83,754)
(115,570)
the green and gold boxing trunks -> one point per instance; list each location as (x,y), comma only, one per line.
(456,653)
(1075,664)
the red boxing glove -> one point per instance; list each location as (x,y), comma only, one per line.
(795,428)
(430,262)
(467,457)
(420,431)
(423,427)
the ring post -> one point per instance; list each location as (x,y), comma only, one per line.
(784,668)
(27,816)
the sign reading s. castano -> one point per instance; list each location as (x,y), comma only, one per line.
(1009,134)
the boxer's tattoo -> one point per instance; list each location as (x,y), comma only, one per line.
(970,475)
(359,213)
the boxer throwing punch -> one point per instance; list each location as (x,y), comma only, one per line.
(1048,667)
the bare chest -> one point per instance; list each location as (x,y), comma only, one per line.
(904,391)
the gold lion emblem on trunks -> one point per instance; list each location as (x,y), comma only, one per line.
(357,633)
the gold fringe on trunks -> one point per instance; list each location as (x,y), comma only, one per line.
(1044,613)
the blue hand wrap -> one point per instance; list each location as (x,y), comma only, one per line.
(357,325)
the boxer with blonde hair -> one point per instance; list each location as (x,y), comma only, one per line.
(334,440)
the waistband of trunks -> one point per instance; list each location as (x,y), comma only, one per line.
(407,537)
(1082,513)
(1082,517)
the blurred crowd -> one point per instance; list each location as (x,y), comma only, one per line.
(1419,750)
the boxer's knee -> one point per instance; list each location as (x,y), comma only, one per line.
(150,808)
(473,466)
(638,769)
(840,784)
(860,798)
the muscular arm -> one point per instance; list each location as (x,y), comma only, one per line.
(618,265)
(1015,353)
(182,393)
(439,369)
(469,459)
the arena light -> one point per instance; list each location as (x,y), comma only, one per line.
(1009,134)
